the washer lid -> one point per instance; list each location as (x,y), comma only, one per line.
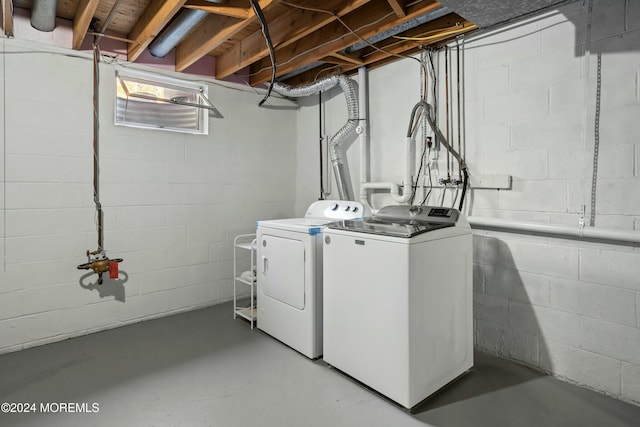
(397,228)
(402,221)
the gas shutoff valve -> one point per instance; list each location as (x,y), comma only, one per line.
(99,262)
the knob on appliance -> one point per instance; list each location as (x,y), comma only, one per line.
(415,210)
(334,206)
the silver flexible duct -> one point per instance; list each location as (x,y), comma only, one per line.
(43,15)
(343,179)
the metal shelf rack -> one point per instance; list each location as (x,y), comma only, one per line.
(245,242)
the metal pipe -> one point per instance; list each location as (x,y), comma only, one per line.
(446,104)
(556,230)
(363,130)
(321,139)
(459,108)
(175,32)
(96,141)
(43,15)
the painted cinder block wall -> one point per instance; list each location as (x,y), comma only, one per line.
(172,202)
(567,307)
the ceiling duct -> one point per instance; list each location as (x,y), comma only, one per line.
(177,30)
(486,13)
(413,23)
(43,15)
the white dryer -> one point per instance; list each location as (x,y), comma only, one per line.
(289,274)
(398,300)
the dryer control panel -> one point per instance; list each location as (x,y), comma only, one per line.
(335,209)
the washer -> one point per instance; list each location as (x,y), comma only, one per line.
(398,300)
(289,274)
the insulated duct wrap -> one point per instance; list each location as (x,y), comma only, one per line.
(343,179)
(43,15)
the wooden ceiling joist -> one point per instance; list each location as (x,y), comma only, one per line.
(7,17)
(157,14)
(315,46)
(211,33)
(346,59)
(232,11)
(437,32)
(285,30)
(84,13)
(397,8)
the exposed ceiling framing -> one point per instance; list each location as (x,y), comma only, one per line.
(310,38)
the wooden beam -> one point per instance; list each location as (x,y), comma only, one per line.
(335,37)
(84,13)
(285,30)
(213,31)
(232,11)
(346,59)
(7,17)
(157,14)
(397,8)
(439,32)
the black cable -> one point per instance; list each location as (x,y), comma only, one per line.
(464,187)
(272,55)
(414,187)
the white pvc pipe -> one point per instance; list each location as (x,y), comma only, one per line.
(408,161)
(363,130)
(390,186)
(557,230)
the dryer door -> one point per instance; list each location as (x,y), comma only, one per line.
(281,267)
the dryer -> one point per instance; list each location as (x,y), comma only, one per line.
(289,274)
(398,300)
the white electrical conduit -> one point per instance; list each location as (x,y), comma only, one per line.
(556,230)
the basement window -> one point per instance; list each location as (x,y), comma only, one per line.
(150,101)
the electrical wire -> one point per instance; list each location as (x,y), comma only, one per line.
(352,31)
(272,55)
(293,58)
(414,187)
(436,34)
(426,197)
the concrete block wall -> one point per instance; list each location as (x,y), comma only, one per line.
(172,202)
(568,307)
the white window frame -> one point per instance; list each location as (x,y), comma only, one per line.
(203,106)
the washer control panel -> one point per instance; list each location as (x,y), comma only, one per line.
(335,209)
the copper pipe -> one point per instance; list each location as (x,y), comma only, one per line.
(446,91)
(96,134)
(459,110)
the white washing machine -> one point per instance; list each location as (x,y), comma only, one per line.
(289,274)
(398,300)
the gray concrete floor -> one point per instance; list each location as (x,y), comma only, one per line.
(203,368)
